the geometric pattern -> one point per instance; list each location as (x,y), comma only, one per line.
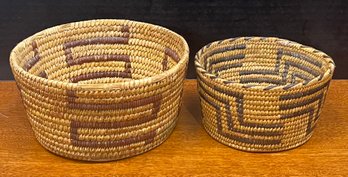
(312,112)
(233,114)
(238,119)
(94,90)
(141,119)
(275,72)
(237,124)
(99,58)
(154,100)
(75,125)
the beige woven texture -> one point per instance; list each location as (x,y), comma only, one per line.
(261,94)
(101,90)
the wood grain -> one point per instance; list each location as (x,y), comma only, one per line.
(189,151)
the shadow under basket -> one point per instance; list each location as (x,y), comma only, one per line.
(261,94)
(101,90)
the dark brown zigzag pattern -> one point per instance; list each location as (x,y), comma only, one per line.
(223,59)
(274,72)
(239,102)
(284,74)
(32,61)
(169,53)
(313,112)
(127,73)
(141,119)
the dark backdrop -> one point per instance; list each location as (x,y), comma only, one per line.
(320,24)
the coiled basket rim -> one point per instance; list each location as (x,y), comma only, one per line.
(124,84)
(201,70)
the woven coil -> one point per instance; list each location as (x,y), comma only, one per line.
(101,90)
(261,94)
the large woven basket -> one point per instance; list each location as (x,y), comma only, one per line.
(261,94)
(101,90)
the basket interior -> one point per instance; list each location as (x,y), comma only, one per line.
(263,62)
(100,51)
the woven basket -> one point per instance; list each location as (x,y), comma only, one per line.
(261,94)
(101,90)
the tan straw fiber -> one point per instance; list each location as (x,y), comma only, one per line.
(261,94)
(101,90)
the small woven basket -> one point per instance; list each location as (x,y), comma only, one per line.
(101,90)
(261,94)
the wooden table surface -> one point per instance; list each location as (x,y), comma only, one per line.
(188,151)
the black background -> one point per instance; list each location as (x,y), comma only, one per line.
(320,24)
